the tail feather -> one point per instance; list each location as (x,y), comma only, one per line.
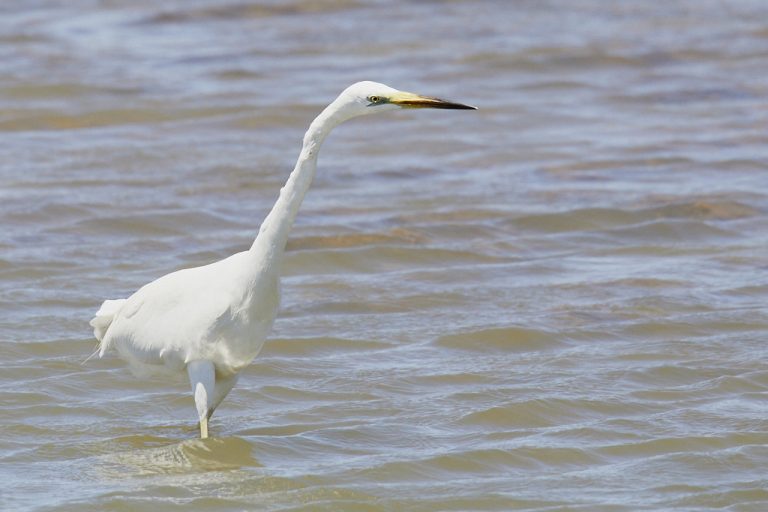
(103,320)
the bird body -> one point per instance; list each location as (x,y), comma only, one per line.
(220,312)
(209,322)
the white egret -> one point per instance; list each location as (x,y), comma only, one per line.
(211,321)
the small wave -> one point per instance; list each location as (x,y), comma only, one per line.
(42,120)
(657,221)
(395,236)
(718,499)
(323,345)
(706,210)
(62,90)
(576,220)
(240,11)
(554,58)
(38,213)
(615,164)
(546,412)
(377,259)
(506,339)
(672,231)
(478,462)
(458,215)
(160,223)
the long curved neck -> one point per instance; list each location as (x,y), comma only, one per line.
(274,231)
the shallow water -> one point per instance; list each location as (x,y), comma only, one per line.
(557,302)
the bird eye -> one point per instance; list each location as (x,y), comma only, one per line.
(374,99)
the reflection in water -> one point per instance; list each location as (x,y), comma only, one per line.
(187,457)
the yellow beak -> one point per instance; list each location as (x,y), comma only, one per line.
(410,100)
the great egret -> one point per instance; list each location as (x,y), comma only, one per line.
(211,321)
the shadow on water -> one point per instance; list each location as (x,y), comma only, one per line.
(186,457)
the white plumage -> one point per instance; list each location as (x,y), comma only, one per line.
(211,321)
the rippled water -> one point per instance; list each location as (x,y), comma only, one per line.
(557,302)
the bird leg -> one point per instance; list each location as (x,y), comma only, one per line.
(202,377)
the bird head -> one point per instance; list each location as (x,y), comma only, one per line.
(363,98)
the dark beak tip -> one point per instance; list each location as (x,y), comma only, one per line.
(426,102)
(454,106)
